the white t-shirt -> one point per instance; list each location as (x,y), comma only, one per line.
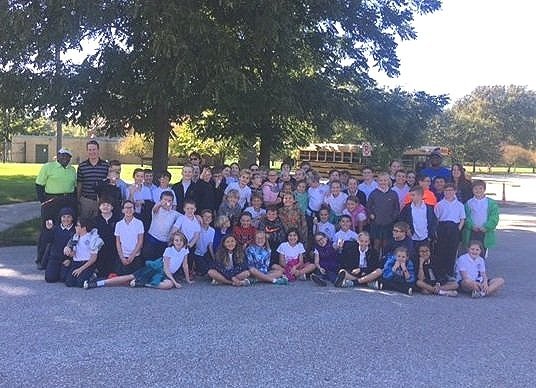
(83,251)
(245,193)
(344,236)
(474,268)
(450,211)
(188,226)
(176,258)
(420,222)
(316,196)
(128,234)
(479,210)
(162,223)
(206,238)
(290,252)
(338,203)
(362,258)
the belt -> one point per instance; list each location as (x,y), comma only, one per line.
(60,195)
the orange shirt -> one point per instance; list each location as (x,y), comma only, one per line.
(428,198)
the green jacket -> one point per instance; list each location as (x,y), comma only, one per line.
(490,225)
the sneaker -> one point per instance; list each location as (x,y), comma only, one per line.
(347,284)
(449,293)
(476,294)
(410,291)
(302,277)
(245,283)
(282,281)
(317,279)
(214,282)
(134,283)
(375,285)
(340,278)
(252,280)
(90,284)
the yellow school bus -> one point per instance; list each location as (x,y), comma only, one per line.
(416,158)
(324,157)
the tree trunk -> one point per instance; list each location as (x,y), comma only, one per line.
(265,149)
(161,141)
(474,166)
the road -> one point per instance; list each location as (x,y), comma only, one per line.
(298,335)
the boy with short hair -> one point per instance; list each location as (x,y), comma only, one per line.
(383,209)
(57,236)
(163,180)
(361,269)
(369,184)
(129,240)
(109,188)
(482,215)
(420,217)
(345,232)
(438,186)
(115,165)
(242,187)
(83,248)
(400,187)
(204,251)
(190,226)
(275,232)
(322,224)
(107,259)
(451,216)
(162,221)
(399,272)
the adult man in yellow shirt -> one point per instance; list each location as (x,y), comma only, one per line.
(56,189)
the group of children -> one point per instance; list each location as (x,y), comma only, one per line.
(388,232)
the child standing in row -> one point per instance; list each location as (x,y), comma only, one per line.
(451,216)
(383,208)
(482,217)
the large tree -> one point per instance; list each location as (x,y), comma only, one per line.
(479,124)
(270,70)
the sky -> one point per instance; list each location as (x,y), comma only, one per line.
(469,43)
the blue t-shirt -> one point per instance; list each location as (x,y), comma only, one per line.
(437,172)
(258,257)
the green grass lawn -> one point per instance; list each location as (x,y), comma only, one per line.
(17,180)
(26,233)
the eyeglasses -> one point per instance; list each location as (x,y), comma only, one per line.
(398,231)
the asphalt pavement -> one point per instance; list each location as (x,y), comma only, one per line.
(288,336)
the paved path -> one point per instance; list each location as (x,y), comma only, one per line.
(299,335)
(11,215)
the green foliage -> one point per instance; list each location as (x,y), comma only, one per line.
(185,141)
(478,125)
(275,72)
(135,144)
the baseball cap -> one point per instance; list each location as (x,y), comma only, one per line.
(65,151)
(66,211)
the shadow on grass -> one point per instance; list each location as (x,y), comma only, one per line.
(17,188)
(25,233)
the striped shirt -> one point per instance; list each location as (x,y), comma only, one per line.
(88,175)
